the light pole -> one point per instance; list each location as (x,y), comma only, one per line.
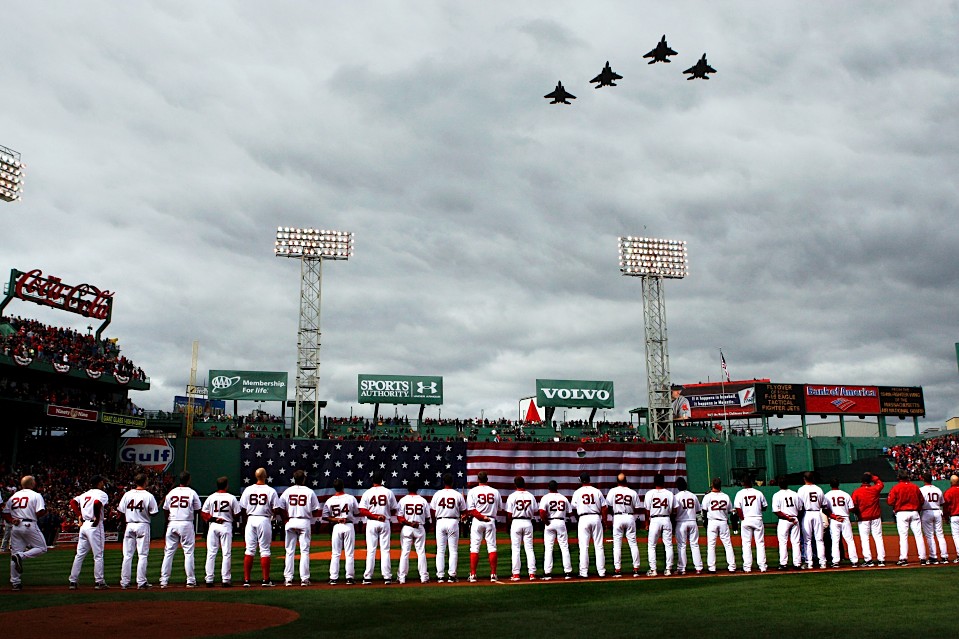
(654,260)
(11,175)
(311,247)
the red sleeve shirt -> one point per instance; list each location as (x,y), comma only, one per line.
(905,496)
(951,501)
(866,498)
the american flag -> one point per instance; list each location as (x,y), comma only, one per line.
(725,370)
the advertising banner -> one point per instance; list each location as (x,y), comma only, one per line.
(153,453)
(71,413)
(572,393)
(716,401)
(825,399)
(201,406)
(399,389)
(258,386)
(127,421)
(839,400)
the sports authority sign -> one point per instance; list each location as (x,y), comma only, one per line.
(258,386)
(571,393)
(399,389)
(153,453)
(82,299)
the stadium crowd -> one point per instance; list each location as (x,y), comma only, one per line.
(938,456)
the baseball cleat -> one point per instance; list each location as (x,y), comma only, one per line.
(401,581)
(145,586)
(17,560)
(680,572)
(636,572)
(732,569)
(266,583)
(532,577)
(246,583)
(651,573)
(101,585)
(124,586)
(16,587)
(210,584)
(287,583)
(699,571)
(881,564)
(547,577)
(163,586)
(472,579)
(227,584)
(367,582)
(762,570)
(834,565)
(333,582)
(926,562)
(492,577)
(425,581)
(451,579)
(349,581)
(191,585)
(667,572)
(387,582)
(304,583)
(513,578)
(568,575)
(73,585)
(782,567)
(956,560)
(617,574)
(902,562)
(868,564)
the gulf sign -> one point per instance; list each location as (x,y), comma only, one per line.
(839,400)
(153,453)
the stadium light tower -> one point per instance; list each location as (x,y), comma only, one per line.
(654,260)
(311,247)
(11,175)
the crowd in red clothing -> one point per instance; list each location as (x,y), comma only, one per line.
(938,456)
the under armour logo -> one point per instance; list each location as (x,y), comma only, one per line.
(422,387)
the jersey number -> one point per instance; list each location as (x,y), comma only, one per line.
(297,500)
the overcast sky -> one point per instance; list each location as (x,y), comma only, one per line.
(814,178)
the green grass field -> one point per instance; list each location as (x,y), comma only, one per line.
(852,603)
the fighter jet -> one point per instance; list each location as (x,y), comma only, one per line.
(661,53)
(560,95)
(606,77)
(700,69)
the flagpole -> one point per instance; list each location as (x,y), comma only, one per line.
(722,391)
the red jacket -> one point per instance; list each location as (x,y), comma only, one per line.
(905,496)
(866,499)
(951,501)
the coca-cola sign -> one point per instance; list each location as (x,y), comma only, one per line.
(83,299)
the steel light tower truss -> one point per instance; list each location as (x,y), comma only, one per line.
(11,175)
(311,247)
(655,260)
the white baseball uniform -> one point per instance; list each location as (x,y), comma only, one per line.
(182,503)
(26,540)
(624,501)
(259,501)
(717,506)
(658,504)
(300,503)
(588,502)
(839,503)
(381,501)
(810,500)
(138,506)
(685,510)
(345,507)
(223,508)
(555,508)
(447,505)
(415,510)
(486,501)
(752,503)
(786,501)
(931,518)
(521,506)
(90,537)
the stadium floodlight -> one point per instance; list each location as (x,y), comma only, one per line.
(653,260)
(310,246)
(11,175)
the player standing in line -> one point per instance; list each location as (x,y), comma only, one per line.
(219,511)
(138,506)
(624,501)
(299,506)
(810,500)
(658,504)
(413,513)
(260,502)
(21,512)
(591,509)
(839,504)
(378,504)
(448,506)
(182,504)
(866,500)
(90,508)
(906,500)
(931,519)
(716,506)
(686,532)
(950,504)
(521,506)
(341,510)
(786,507)
(750,504)
(484,503)
(553,510)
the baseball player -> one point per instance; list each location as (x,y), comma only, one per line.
(220,510)
(21,512)
(810,500)
(950,506)
(658,504)
(686,530)
(786,507)
(931,519)
(906,500)
(89,509)
(341,510)
(866,500)
(413,512)
(448,506)
(717,505)
(839,504)
(182,503)
(138,506)
(553,510)
(750,504)
(260,502)
(591,509)
(624,501)
(484,503)
(299,506)
(378,505)
(520,508)
(680,405)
